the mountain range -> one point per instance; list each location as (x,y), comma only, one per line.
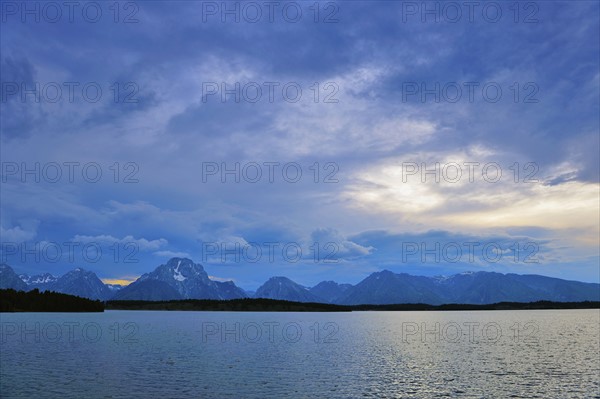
(284,288)
(181,278)
(77,282)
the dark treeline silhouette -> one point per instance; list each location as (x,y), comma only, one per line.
(539,305)
(48,301)
(273,305)
(36,301)
(237,305)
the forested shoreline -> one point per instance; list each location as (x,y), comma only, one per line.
(47,301)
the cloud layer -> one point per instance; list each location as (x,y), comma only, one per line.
(180,132)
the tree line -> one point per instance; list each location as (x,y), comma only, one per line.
(47,301)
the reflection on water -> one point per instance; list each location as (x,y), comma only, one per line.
(125,354)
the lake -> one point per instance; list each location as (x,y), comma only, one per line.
(144,354)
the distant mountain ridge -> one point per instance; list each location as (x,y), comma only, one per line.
(10,279)
(477,288)
(284,288)
(83,283)
(78,282)
(386,287)
(181,278)
(330,291)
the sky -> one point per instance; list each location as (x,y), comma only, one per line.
(318,141)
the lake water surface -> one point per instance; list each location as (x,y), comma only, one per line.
(149,354)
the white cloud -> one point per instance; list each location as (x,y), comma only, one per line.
(142,243)
(221,279)
(17,234)
(565,205)
(342,247)
(171,254)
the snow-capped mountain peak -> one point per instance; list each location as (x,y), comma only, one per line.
(179,278)
(40,281)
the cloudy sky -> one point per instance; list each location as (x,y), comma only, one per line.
(319,141)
